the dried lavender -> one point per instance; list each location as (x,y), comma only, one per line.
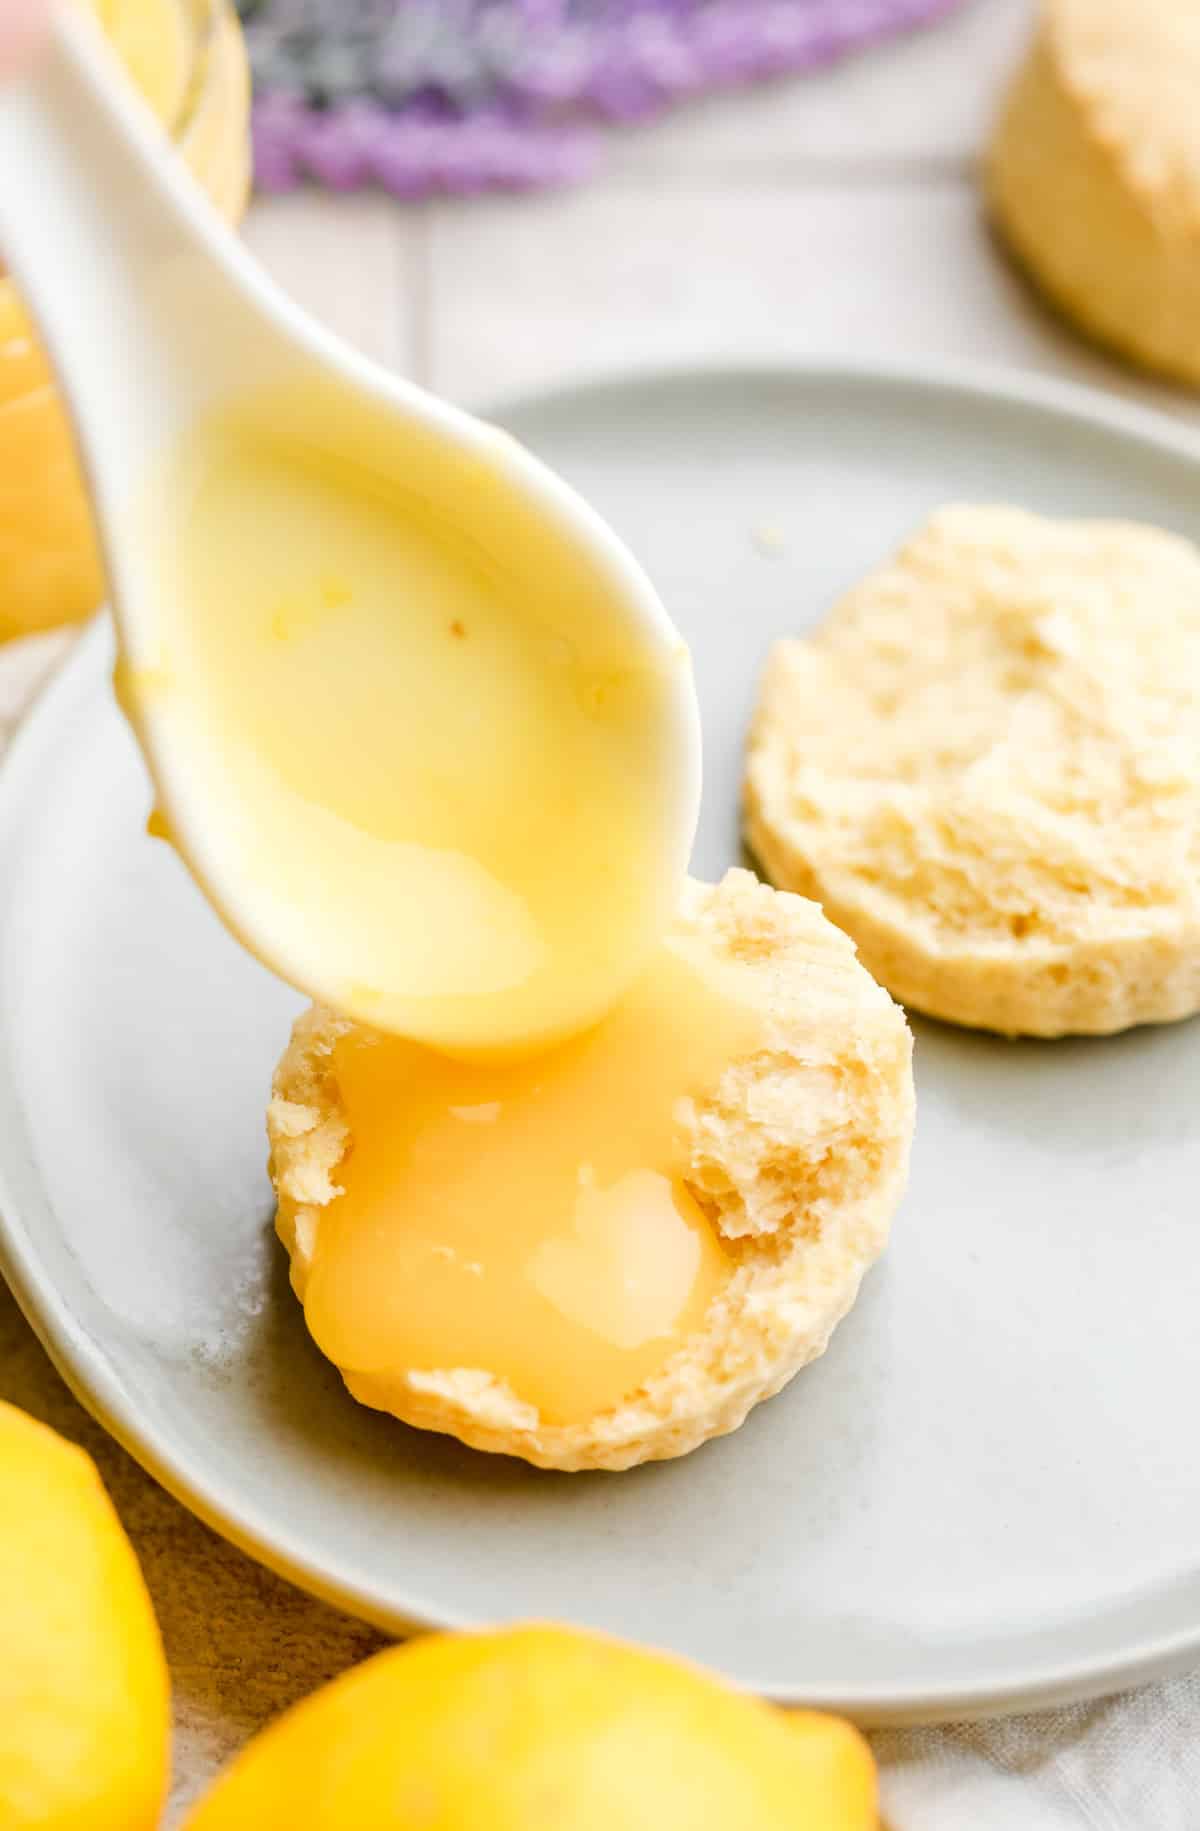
(463,96)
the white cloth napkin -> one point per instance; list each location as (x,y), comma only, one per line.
(1128,1763)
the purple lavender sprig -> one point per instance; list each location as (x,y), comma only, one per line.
(463,96)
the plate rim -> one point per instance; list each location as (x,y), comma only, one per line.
(84,1367)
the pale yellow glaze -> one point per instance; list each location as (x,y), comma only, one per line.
(531,1219)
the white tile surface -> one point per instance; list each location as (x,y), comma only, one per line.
(618,274)
(924,99)
(352,261)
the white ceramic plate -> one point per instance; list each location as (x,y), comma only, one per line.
(986,1495)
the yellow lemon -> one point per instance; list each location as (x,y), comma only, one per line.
(542,1729)
(83,1683)
(187,59)
(50,569)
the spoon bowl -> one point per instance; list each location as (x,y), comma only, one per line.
(416,720)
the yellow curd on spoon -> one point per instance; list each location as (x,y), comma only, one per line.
(430,755)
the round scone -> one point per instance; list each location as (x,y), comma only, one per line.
(985,764)
(1094,173)
(797,1154)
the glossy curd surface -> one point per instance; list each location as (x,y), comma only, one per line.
(530,1220)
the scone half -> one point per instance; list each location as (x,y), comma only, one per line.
(985,765)
(798,1154)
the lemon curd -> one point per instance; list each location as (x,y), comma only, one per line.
(425,757)
(529,1219)
(153,39)
(440,766)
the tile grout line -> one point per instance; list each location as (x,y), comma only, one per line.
(849,174)
(419,284)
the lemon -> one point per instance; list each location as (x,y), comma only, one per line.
(542,1729)
(188,62)
(50,564)
(83,1683)
(50,569)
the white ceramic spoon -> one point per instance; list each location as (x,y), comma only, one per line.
(155,316)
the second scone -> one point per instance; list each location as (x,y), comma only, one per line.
(985,764)
(793,1151)
(1093,175)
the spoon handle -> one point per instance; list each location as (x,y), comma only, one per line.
(147,304)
